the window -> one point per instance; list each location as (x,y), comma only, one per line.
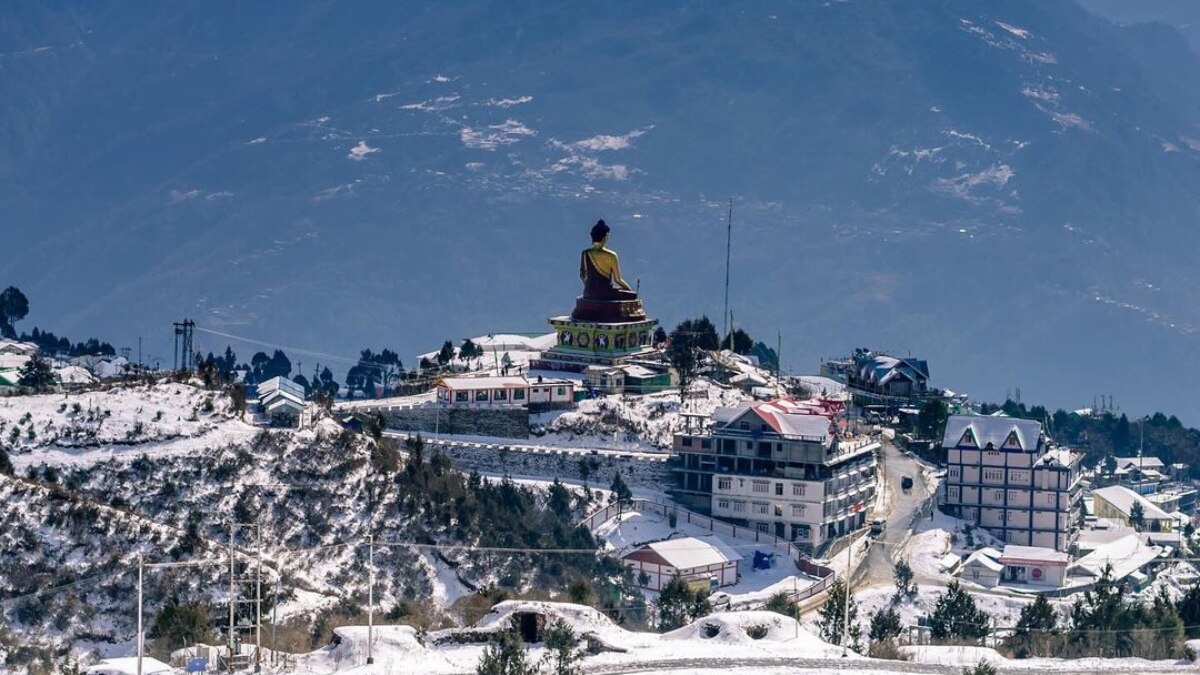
(761,487)
(499,395)
(995,475)
(481,395)
(797,510)
(763,527)
(723,504)
(954,472)
(761,508)
(778,511)
(1050,499)
(739,507)
(779,489)
(968,439)
(952,494)
(706,443)
(998,495)
(687,441)
(797,490)
(724,483)
(744,426)
(461,397)
(519,395)
(561,391)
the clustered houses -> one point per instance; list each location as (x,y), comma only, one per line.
(1003,475)
(877,376)
(785,467)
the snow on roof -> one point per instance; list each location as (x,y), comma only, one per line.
(993,431)
(788,418)
(638,371)
(1014,554)
(74,375)
(1140,462)
(689,552)
(1122,499)
(10,377)
(16,347)
(516,342)
(1126,555)
(501,382)
(279,383)
(980,558)
(1058,455)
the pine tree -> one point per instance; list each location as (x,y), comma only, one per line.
(505,655)
(831,625)
(955,616)
(1137,516)
(446,354)
(906,586)
(885,625)
(780,603)
(1037,630)
(674,602)
(562,647)
(621,491)
(36,374)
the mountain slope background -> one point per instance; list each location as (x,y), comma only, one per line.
(1006,188)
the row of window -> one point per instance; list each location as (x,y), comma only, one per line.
(759,508)
(481,395)
(762,487)
(1049,499)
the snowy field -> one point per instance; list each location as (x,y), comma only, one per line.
(632,529)
(91,427)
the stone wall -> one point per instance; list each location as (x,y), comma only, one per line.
(498,422)
(635,471)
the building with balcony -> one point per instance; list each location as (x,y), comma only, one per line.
(875,377)
(1003,475)
(786,467)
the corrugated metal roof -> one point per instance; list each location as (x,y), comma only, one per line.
(690,552)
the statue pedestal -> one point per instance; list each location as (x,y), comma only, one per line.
(583,343)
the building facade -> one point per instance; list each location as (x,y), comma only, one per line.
(783,467)
(1002,475)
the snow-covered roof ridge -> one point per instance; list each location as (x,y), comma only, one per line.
(1123,499)
(689,552)
(993,431)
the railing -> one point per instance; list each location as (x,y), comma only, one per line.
(823,575)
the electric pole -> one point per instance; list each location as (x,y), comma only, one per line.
(725,318)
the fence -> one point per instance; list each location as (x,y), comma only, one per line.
(824,575)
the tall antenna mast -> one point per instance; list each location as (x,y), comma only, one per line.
(728,244)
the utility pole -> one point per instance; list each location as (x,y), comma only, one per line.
(778,362)
(232,593)
(846,603)
(140,641)
(370,598)
(725,318)
(275,621)
(257,599)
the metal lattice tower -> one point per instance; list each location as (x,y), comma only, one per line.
(185,357)
(245,591)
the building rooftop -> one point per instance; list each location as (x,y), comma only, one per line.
(981,557)
(1015,555)
(1123,499)
(994,431)
(689,552)
(1126,555)
(508,382)
(1140,462)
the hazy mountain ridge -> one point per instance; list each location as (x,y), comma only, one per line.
(881,156)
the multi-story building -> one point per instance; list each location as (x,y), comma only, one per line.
(786,467)
(1003,475)
(876,377)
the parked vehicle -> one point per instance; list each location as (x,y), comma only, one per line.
(878,525)
(906,483)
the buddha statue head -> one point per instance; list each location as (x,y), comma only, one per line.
(600,232)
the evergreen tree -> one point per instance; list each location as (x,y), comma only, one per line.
(660,335)
(621,491)
(559,499)
(562,649)
(906,586)
(831,624)
(1137,516)
(955,616)
(505,655)
(36,374)
(674,602)
(14,306)
(180,625)
(681,354)
(1037,630)
(446,354)
(931,419)
(742,342)
(885,625)
(6,465)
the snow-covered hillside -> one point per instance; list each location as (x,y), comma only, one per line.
(632,422)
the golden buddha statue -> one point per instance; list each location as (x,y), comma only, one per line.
(600,269)
(607,298)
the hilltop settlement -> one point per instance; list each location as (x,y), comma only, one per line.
(602,494)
